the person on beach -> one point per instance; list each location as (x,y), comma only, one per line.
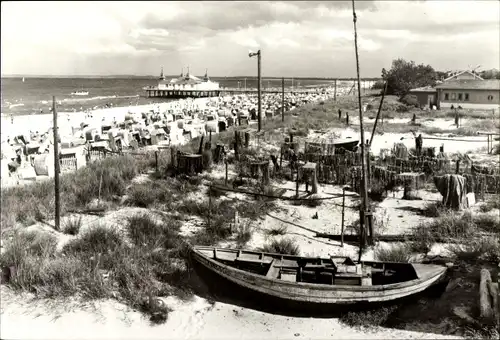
(340,114)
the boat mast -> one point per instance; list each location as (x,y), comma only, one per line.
(364,190)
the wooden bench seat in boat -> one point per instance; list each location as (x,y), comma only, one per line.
(255,261)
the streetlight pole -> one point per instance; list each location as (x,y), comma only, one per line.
(258,54)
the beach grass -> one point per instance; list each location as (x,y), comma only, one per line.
(102,262)
(146,257)
(105,179)
(282,246)
(397,253)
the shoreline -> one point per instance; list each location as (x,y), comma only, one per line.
(14,125)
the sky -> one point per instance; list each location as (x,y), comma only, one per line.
(296,39)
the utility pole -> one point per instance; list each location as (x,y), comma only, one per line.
(283,99)
(56,166)
(258,54)
(259,85)
(364,190)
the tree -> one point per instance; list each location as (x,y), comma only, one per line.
(441,75)
(404,76)
(490,74)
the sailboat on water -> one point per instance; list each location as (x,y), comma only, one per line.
(318,282)
(23,79)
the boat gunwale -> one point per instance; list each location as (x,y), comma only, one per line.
(319,286)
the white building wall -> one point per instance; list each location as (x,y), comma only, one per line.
(495,107)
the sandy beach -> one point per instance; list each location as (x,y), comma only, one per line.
(23,124)
(195,319)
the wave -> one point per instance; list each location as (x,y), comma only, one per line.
(77,100)
(82,100)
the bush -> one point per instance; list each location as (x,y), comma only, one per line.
(144,231)
(410,100)
(283,246)
(378,85)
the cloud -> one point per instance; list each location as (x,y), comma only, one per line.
(307,38)
(226,16)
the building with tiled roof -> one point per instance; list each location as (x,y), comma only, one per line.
(470,94)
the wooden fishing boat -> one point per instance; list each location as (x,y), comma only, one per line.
(346,144)
(324,281)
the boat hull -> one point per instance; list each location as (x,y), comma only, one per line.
(312,294)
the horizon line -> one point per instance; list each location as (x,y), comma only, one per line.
(170,76)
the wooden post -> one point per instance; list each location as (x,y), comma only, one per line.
(281,156)
(225,181)
(56,167)
(335,90)
(236,220)
(282,99)
(343,214)
(457,166)
(210,138)
(200,149)
(236,146)
(368,165)
(156,160)
(297,183)
(99,192)
(209,205)
(369,224)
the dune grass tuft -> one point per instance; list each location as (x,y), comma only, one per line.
(397,253)
(279,230)
(72,225)
(282,246)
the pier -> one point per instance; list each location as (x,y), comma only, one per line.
(155,92)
